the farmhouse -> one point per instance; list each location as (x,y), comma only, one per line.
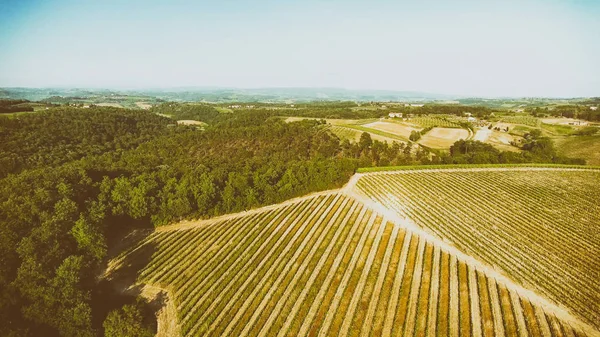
(395,114)
(593,108)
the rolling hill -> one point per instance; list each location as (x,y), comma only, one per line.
(373,259)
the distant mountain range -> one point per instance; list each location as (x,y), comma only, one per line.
(266,95)
(228,94)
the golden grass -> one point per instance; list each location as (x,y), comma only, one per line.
(443,138)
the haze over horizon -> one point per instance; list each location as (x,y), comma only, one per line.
(467,48)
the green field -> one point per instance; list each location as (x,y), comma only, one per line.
(427,122)
(587,147)
(523,120)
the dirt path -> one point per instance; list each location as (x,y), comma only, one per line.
(166,316)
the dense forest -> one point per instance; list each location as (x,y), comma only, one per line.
(74,181)
(14,105)
(569,111)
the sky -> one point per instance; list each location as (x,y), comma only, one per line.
(544,48)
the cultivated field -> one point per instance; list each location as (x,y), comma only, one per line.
(143,105)
(540,227)
(393,128)
(190,122)
(434,121)
(333,264)
(443,138)
(563,121)
(524,120)
(114,105)
(354,135)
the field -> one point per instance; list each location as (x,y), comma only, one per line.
(339,264)
(351,129)
(524,120)
(538,226)
(587,147)
(516,130)
(561,121)
(392,128)
(426,122)
(114,105)
(191,122)
(443,138)
(354,135)
(143,105)
(499,140)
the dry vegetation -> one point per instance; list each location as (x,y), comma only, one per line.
(354,135)
(443,138)
(393,128)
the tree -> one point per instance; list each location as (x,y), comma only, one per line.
(414,135)
(127,321)
(365,141)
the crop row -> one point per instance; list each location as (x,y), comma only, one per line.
(539,227)
(428,122)
(326,266)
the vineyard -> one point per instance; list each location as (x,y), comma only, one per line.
(539,226)
(330,265)
(524,120)
(354,135)
(427,122)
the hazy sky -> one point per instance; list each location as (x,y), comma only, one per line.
(483,48)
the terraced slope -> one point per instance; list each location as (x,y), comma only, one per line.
(539,226)
(327,265)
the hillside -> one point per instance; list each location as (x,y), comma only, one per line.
(338,263)
(537,225)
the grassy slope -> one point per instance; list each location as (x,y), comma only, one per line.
(587,147)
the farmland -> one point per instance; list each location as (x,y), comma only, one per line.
(523,120)
(399,130)
(538,226)
(443,137)
(435,121)
(581,146)
(354,135)
(337,263)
